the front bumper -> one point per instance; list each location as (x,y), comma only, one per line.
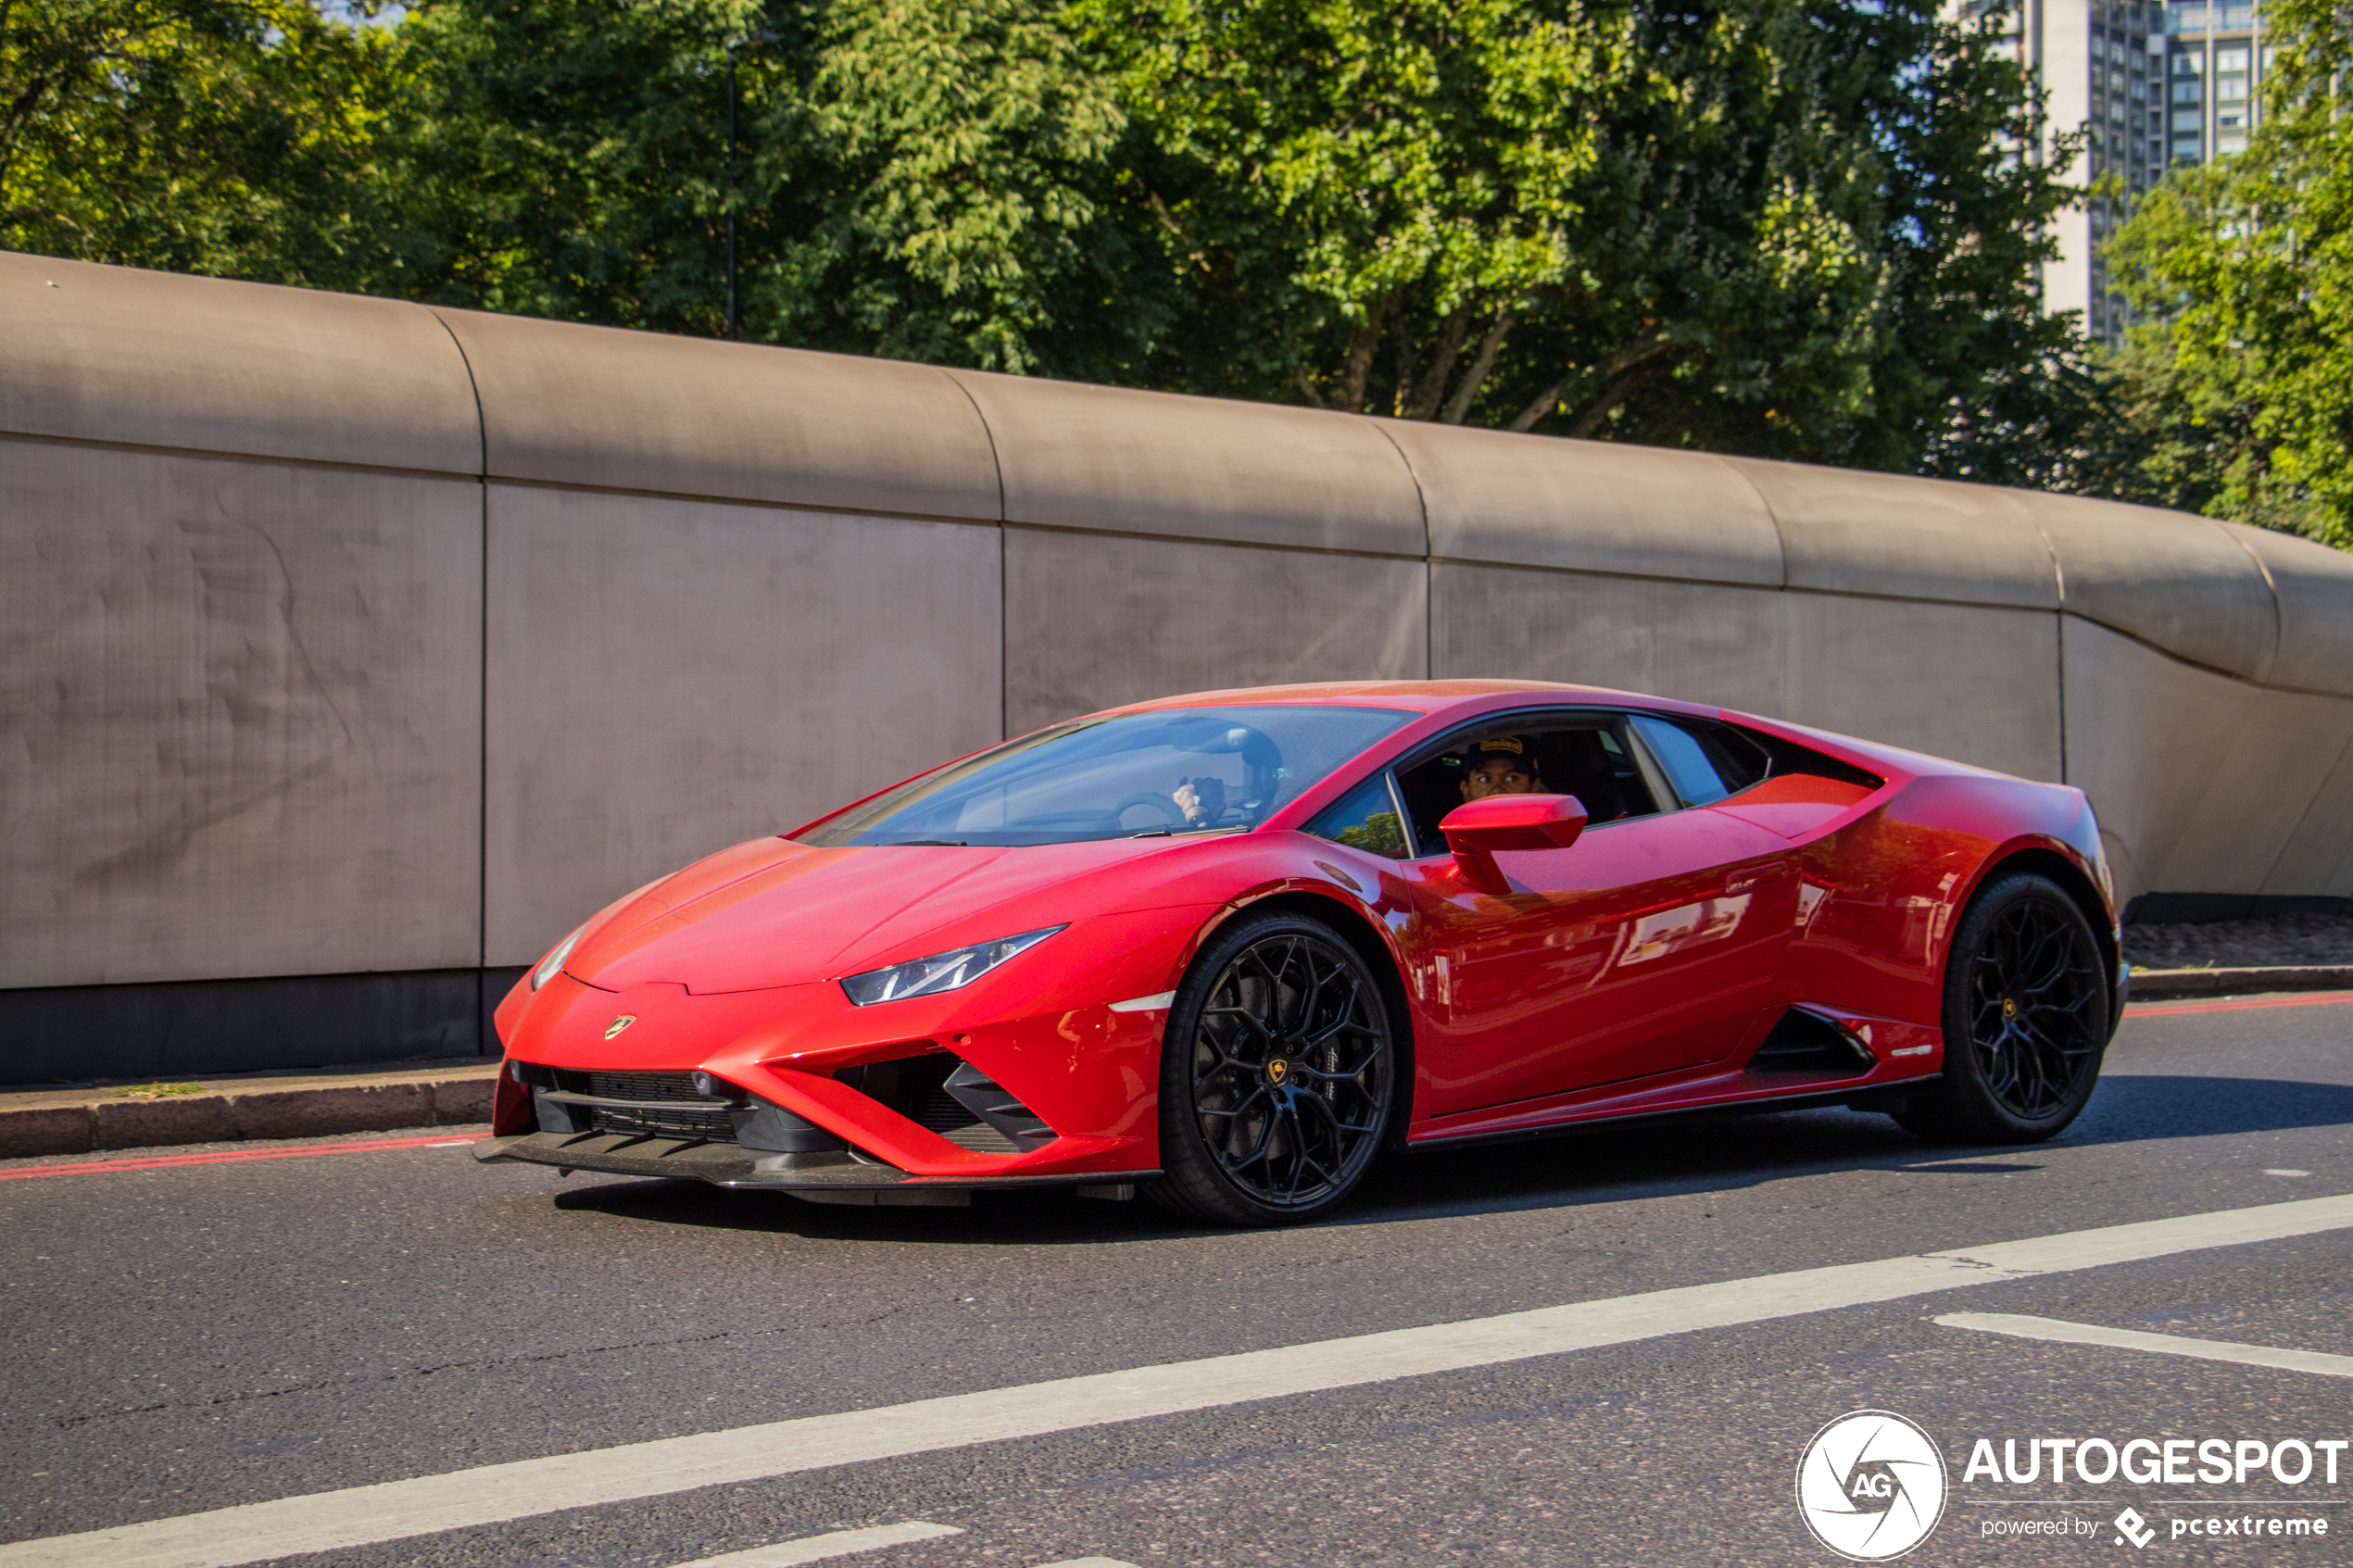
(820,1178)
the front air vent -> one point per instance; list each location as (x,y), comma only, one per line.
(644,1105)
(668,1105)
(1015,1122)
(1807,1041)
(670,1088)
(943,1093)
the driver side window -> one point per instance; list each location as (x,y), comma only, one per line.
(1588,754)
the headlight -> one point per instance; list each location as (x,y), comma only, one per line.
(941,971)
(555,960)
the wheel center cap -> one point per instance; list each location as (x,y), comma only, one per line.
(2009,1007)
(1277,1071)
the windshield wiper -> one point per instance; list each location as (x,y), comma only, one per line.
(930,844)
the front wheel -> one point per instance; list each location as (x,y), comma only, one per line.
(1278,1075)
(2026,1018)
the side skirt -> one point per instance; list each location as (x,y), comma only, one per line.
(1809,1099)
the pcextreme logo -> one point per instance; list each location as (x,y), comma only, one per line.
(1870,1485)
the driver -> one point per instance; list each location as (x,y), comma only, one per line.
(1499,765)
(1202,800)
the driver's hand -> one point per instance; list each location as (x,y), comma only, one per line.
(1201,800)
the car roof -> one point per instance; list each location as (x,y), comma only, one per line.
(1429,697)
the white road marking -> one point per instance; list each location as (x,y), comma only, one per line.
(2287,1173)
(2021,1328)
(819,1549)
(1156,1002)
(522,1489)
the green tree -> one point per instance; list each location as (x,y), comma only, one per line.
(234,137)
(566,158)
(2242,391)
(916,181)
(967,212)
(1785,227)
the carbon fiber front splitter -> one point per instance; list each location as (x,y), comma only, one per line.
(820,1178)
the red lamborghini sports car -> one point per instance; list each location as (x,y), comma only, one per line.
(1228,949)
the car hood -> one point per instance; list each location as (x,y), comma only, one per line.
(772,913)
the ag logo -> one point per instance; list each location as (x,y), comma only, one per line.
(1870,1485)
(618,1025)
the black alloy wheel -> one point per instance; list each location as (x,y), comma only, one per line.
(2026,1018)
(1278,1075)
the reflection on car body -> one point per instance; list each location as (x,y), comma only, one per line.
(1682,928)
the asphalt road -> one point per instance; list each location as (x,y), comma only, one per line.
(182,1338)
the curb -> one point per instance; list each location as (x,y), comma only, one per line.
(85,1121)
(2164,984)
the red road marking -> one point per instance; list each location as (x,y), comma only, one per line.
(230,1156)
(2312,1000)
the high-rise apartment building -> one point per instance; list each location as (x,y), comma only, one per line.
(2153,85)
(2216,59)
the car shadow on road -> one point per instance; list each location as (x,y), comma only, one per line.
(2135,1108)
(1606,1165)
(1726,1153)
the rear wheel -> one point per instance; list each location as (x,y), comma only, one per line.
(2026,1018)
(1278,1075)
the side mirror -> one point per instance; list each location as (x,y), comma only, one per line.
(1476,829)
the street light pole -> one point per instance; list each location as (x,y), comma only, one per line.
(734,319)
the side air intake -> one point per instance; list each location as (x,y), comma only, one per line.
(1807,1041)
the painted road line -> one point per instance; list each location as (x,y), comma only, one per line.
(2020,1327)
(522,1488)
(234,1156)
(820,1549)
(2242,1004)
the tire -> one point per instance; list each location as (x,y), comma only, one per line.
(1278,1075)
(2026,1018)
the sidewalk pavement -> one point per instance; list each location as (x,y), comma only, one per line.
(455,1091)
(313,1103)
(2164,984)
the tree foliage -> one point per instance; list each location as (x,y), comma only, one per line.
(2241,396)
(235,137)
(1785,227)
(912,181)
(1790,228)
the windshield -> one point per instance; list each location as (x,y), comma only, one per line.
(1183,770)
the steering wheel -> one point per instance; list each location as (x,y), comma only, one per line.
(1161,803)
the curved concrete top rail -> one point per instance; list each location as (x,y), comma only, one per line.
(202,365)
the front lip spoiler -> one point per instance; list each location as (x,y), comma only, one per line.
(727,1165)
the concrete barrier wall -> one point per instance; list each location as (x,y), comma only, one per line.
(351,644)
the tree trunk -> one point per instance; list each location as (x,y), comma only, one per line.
(1632,354)
(1359,367)
(1458,406)
(1422,401)
(1619,391)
